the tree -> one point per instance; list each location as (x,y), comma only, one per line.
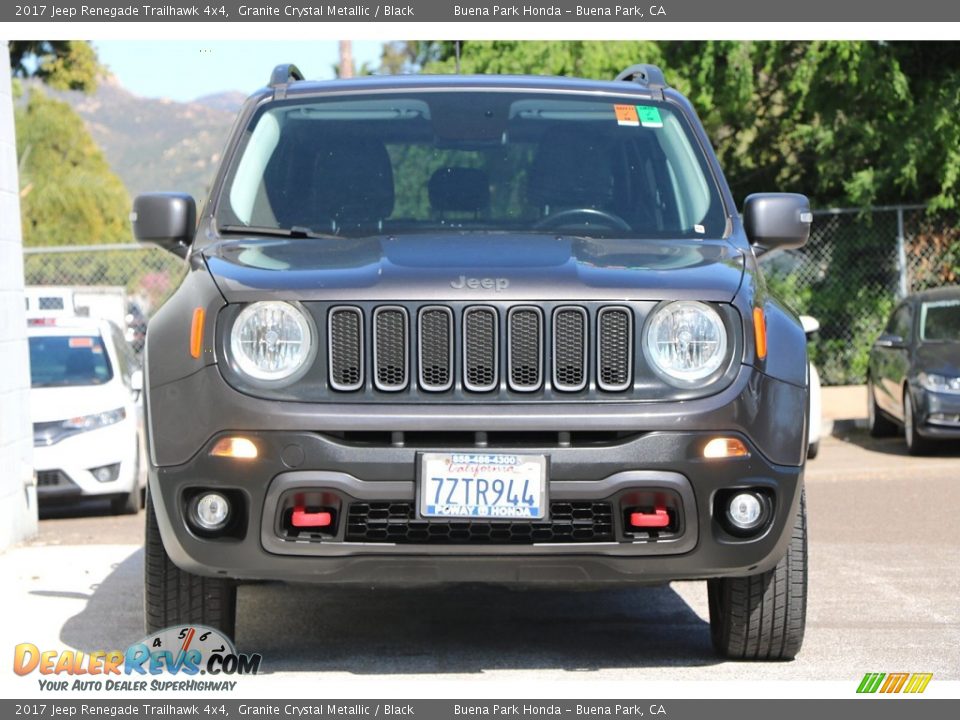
(68,195)
(61,64)
(853,123)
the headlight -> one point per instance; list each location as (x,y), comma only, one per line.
(272,341)
(685,342)
(939,383)
(97,420)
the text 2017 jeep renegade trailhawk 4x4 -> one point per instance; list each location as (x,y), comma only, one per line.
(494,329)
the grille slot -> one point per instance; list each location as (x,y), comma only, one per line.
(480,349)
(614,349)
(345,329)
(435,348)
(390,348)
(525,348)
(570,349)
(397,522)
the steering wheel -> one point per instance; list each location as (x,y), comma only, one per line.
(588,215)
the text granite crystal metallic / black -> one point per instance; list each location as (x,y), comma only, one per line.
(487,329)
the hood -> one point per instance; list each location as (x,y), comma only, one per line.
(50,404)
(941,358)
(468,266)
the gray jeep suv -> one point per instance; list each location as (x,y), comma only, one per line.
(488,329)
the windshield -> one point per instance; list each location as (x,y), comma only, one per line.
(480,161)
(940,321)
(59,360)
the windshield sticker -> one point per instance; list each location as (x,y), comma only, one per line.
(627,115)
(649,116)
(81,342)
(700,229)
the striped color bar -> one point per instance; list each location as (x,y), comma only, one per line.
(899,682)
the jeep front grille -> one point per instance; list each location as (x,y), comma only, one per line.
(390,348)
(480,349)
(570,349)
(614,349)
(525,348)
(429,349)
(436,348)
(346,348)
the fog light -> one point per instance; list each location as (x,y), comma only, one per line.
(724,448)
(745,511)
(211,511)
(235,447)
(107,473)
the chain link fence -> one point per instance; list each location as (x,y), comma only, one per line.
(141,277)
(858,263)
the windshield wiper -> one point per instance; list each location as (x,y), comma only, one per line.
(297,231)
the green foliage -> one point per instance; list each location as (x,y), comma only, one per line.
(61,64)
(847,123)
(68,194)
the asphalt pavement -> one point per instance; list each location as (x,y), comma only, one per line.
(883,595)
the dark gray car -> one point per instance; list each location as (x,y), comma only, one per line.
(913,380)
(495,329)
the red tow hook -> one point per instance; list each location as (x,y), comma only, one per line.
(303,518)
(659,518)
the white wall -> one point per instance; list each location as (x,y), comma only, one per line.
(18,504)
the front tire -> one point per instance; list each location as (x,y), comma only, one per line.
(762,617)
(916,445)
(172,596)
(879,424)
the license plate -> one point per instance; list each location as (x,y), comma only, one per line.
(483,486)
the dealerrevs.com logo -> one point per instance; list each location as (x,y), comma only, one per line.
(898,682)
(184,653)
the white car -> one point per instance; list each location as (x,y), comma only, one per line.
(810,326)
(84,399)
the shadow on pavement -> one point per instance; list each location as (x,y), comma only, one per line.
(112,619)
(854,431)
(442,629)
(468,629)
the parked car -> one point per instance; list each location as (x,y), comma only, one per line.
(501,329)
(810,326)
(84,394)
(913,380)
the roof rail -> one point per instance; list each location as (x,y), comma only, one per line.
(649,76)
(281,77)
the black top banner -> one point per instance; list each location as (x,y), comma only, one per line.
(564,11)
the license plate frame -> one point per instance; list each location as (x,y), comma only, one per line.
(474,464)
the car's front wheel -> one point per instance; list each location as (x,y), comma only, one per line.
(916,445)
(172,596)
(879,424)
(762,617)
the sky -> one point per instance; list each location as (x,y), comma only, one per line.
(185,70)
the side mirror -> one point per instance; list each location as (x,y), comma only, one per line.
(810,324)
(165,219)
(890,341)
(777,220)
(136,380)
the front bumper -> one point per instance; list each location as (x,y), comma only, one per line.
(668,463)
(938,414)
(64,469)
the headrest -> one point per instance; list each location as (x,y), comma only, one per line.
(353,181)
(571,170)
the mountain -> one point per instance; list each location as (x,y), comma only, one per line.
(157,144)
(231,101)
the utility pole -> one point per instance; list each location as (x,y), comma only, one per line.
(346,59)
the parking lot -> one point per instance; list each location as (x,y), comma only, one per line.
(884,585)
